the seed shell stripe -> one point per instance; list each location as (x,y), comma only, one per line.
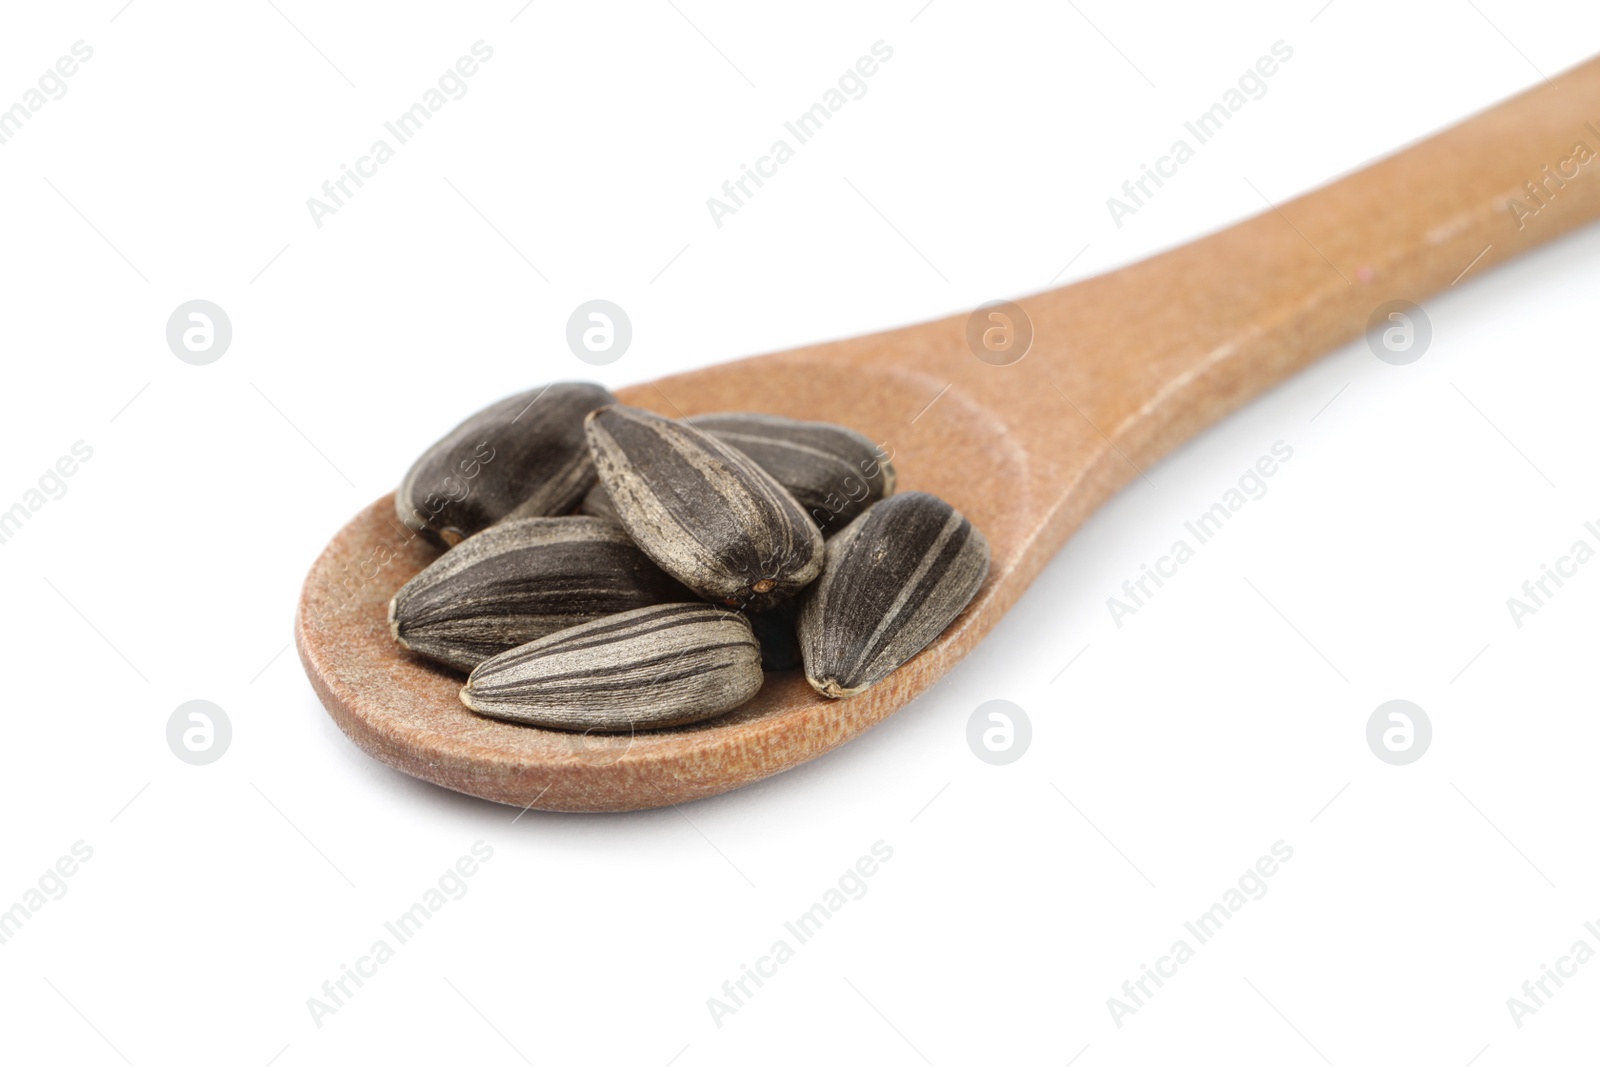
(834,472)
(520,457)
(705,512)
(520,580)
(606,631)
(665,665)
(894,579)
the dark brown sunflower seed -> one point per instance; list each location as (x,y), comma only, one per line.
(522,457)
(833,471)
(894,579)
(520,580)
(596,503)
(659,666)
(704,511)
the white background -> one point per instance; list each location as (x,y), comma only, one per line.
(1173,752)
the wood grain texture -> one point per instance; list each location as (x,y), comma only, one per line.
(1123,368)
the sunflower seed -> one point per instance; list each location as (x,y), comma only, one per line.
(520,580)
(667,665)
(833,471)
(704,511)
(522,457)
(894,579)
(598,504)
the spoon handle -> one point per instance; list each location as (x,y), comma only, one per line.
(1151,354)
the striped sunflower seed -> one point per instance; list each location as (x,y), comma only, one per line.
(521,580)
(833,471)
(596,503)
(521,457)
(704,511)
(894,579)
(667,665)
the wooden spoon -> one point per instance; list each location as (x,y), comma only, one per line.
(1121,368)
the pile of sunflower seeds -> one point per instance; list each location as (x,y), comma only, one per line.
(609,569)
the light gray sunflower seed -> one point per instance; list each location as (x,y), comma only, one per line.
(703,510)
(522,457)
(667,665)
(894,579)
(520,580)
(833,471)
(596,503)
